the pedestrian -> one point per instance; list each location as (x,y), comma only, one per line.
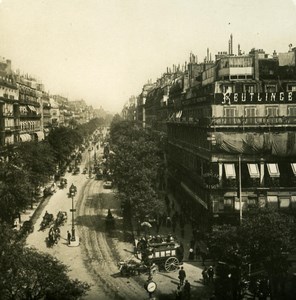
(187,290)
(191,254)
(180,252)
(182,275)
(178,293)
(205,276)
(211,274)
(68,237)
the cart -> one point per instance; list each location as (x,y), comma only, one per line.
(166,255)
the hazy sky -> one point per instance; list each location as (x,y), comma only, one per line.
(105,50)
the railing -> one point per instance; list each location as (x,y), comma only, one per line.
(237,121)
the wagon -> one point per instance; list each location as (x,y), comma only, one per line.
(166,255)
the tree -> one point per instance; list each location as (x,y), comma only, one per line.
(136,167)
(264,237)
(27,274)
(38,159)
(14,191)
(63,140)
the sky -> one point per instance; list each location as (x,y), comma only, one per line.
(104,51)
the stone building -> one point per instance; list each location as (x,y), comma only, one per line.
(231,134)
(9,105)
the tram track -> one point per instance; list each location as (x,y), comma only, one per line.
(100,255)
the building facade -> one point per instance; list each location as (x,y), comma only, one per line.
(230,126)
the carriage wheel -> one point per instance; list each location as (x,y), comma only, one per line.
(171,264)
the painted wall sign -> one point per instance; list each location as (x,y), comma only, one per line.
(255,98)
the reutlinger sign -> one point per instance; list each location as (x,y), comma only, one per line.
(255,98)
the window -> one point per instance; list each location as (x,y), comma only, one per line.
(229,171)
(270,88)
(249,88)
(250,115)
(292,111)
(272,114)
(291,88)
(229,114)
(253,170)
(273,170)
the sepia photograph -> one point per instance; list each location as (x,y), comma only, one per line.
(147,150)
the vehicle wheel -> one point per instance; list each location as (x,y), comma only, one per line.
(171,264)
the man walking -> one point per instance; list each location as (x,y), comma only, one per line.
(68,237)
(182,275)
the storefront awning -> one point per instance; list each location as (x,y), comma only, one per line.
(273,170)
(25,137)
(253,170)
(32,108)
(40,135)
(293,165)
(229,170)
(193,195)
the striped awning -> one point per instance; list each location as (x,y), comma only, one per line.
(25,137)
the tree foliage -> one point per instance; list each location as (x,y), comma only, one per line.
(136,167)
(27,274)
(38,159)
(264,236)
(14,191)
(63,140)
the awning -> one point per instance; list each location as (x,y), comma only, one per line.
(293,165)
(40,135)
(179,114)
(229,170)
(25,137)
(253,170)
(32,108)
(273,170)
(193,195)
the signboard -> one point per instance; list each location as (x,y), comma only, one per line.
(255,98)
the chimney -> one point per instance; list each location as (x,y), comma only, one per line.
(231,44)
(238,50)
(229,47)
(207,54)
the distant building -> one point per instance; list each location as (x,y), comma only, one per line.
(9,105)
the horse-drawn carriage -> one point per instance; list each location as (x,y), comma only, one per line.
(54,235)
(166,254)
(47,220)
(109,221)
(61,218)
(132,267)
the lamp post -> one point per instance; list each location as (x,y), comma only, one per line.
(72,191)
(89,164)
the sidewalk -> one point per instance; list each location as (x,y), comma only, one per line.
(193,268)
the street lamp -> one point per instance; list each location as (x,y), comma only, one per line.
(89,164)
(72,192)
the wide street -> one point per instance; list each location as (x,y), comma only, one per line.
(95,259)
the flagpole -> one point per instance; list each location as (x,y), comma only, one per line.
(240,189)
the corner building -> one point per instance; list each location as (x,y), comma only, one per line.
(231,136)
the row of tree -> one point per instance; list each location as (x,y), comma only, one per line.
(32,164)
(137,167)
(26,273)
